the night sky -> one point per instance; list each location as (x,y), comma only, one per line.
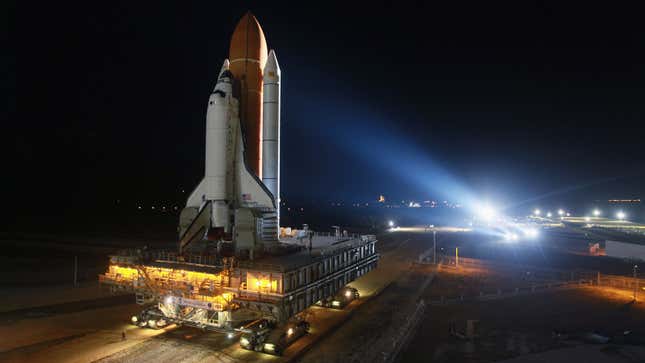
(514,101)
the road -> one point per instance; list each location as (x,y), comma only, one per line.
(82,336)
(368,323)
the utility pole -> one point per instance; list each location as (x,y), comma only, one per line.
(635,282)
(75,270)
(434,238)
(456,256)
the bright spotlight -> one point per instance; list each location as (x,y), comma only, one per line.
(596,212)
(621,215)
(549,214)
(168,300)
(560,212)
(531,233)
(537,212)
(486,213)
(230,335)
(511,237)
(390,223)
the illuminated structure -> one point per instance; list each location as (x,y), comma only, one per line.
(233,262)
(218,293)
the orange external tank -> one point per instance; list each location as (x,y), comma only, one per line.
(248,55)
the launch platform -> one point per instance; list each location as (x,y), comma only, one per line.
(217,293)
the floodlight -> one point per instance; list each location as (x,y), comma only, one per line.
(486,213)
(531,232)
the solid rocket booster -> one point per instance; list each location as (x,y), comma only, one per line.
(248,55)
(271,128)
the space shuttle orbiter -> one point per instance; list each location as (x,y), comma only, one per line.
(236,205)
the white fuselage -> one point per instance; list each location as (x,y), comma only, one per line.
(229,185)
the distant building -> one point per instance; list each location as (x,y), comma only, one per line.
(624,201)
(635,251)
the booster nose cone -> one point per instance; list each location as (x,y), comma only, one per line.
(272,68)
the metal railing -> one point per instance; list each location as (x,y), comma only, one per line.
(621,282)
(492,294)
(138,256)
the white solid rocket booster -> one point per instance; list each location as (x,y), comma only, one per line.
(271,128)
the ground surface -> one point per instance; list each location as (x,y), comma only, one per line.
(523,325)
(510,328)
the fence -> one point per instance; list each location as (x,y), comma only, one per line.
(406,332)
(620,282)
(396,338)
(518,291)
(532,272)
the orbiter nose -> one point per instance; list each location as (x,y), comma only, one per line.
(224,68)
(225,74)
(224,81)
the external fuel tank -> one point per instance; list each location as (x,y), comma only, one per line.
(248,56)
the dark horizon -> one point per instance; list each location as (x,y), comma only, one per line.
(521,103)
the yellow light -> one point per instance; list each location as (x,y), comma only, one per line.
(290,331)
